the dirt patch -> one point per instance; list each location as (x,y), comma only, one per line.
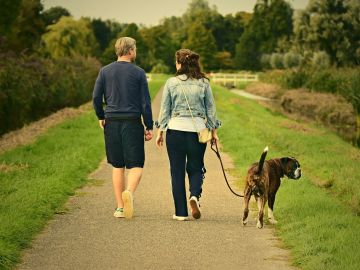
(6,168)
(331,110)
(29,133)
(267,90)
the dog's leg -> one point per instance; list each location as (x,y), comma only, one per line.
(261,205)
(247,195)
(271,209)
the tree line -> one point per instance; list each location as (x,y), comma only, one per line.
(326,32)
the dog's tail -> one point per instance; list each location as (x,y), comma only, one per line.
(262,159)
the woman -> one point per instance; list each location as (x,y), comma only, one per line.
(189,88)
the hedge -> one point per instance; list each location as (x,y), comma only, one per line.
(33,87)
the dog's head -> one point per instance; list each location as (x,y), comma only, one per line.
(291,167)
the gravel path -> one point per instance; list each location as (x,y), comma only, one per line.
(87,236)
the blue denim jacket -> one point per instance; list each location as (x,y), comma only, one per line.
(199,95)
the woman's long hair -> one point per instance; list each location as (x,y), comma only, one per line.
(190,65)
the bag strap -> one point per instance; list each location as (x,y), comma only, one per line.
(192,117)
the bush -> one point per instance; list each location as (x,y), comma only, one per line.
(292,60)
(344,81)
(320,60)
(277,61)
(160,68)
(31,87)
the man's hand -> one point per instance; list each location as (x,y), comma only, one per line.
(102,123)
(148,134)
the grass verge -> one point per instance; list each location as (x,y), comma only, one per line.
(318,214)
(37,179)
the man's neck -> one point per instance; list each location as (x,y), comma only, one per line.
(124,58)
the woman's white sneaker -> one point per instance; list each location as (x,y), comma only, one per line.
(179,218)
(195,207)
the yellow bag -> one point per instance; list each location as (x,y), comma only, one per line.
(205,135)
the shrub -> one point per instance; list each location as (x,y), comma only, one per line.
(31,87)
(160,68)
(320,60)
(277,61)
(292,60)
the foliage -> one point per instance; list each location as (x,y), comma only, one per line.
(69,38)
(54,14)
(344,81)
(8,14)
(271,23)
(31,88)
(27,28)
(160,68)
(202,41)
(332,26)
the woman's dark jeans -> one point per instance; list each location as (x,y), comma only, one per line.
(185,151)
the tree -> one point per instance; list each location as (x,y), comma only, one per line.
(270,24)
(102,32)
(69,37)
(27,28)
(202,42)
(53,15)
(332,26)
(8,13)
(160,46)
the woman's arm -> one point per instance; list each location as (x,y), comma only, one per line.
(210,109)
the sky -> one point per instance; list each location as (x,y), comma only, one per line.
(148,12)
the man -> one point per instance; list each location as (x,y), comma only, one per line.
(124,87)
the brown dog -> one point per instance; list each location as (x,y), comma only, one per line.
(263,181)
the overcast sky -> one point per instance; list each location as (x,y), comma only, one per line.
(148,12)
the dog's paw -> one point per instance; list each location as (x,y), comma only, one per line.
(259,225)
(272,221)
(244,222)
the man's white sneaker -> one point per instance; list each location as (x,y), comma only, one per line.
(195,207)
(119,213)
(180,218)
(128,203)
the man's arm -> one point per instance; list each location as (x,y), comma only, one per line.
(146,103)
(98,95)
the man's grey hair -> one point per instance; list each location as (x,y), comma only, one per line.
(123,45)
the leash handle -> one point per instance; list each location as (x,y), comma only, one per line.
(222,167)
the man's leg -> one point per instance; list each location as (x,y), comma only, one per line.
(118,179)
(133,178)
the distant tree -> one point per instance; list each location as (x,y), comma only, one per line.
(160,46)
(202,41)
(271,23)
(53,15)
(102,32)
(331,26)
(8,13)
(27,28)
(69,37)
(224,60)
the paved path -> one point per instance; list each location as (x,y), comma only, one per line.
(89,237)
(249,95)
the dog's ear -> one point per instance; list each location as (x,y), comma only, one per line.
(284,161)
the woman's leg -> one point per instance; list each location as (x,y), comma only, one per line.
(195,163)
(175,141)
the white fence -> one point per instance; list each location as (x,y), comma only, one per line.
(232,79)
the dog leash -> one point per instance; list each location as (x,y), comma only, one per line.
(216,151)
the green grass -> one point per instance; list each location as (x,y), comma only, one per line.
(318,214)
(43,175)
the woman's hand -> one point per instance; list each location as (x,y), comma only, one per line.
(159,139)
(215,137)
